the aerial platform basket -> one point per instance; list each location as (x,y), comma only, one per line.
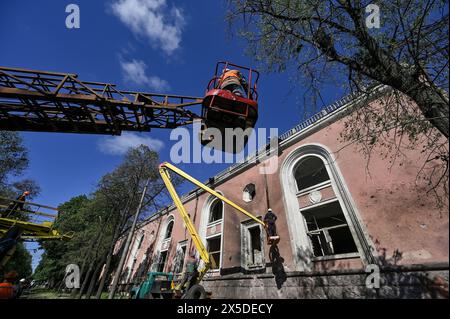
(222,109)
(35,221)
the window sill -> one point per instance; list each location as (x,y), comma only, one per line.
(255,267)
(335,257)
(316,187)
(214,223)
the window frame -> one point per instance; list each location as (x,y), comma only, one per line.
(165,237)
(315,186)
(220,251)
(246,191)
(159,260)
(182,244)
(296,227)
(246,245)
(333,256)
(211,206)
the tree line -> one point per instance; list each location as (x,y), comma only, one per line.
(99,220)
(14,161)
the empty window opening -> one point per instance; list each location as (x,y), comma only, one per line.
(214,250)
(169,230)
(255,245)
(249,193)
(311,171)
(141,239)
(328,230)
(179,259)
(162,261)
(216,211)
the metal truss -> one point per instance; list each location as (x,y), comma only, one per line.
(43,101)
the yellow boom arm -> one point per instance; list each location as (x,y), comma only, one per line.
(204,255)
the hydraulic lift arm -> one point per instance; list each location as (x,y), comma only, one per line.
(203,252)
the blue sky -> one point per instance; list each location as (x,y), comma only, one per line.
(162,46)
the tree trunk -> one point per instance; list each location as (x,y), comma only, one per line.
(75,291)
(108,260)
(432,105)
(94,277)
(85,281)
(88,277)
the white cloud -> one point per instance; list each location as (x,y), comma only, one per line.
(134,72)
(119,145)
(152,19)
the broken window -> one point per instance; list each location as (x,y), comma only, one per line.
(249,193)
(141,239)
(252,241)
(311,171)
(328,230)
(214,250)
(179,259)
(216,211)
(255,245)
(161,261)
(169,229)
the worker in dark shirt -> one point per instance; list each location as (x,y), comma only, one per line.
(269,220)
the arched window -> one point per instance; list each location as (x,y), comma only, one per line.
(322,220)
(310,172)
(327,227)
(169,229)
(216,211)
(249,193)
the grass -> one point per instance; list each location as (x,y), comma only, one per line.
(43,293)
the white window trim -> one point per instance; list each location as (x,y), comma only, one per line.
(209,209)
(334,256)
(204,225)
(322,203)
(180,246)
(162,234)
(300,244)
(317,187)
(215,223)
(244,191)
(337,256)
(165,230)
(245,236)
(221,250)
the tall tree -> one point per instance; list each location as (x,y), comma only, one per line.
(402,44)
(13,162)
(100,219)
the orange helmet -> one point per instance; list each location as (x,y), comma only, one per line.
(26,193)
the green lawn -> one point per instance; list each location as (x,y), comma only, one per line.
(42,293)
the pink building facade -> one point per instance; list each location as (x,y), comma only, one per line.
(341,220)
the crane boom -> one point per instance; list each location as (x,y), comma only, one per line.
(44,101)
